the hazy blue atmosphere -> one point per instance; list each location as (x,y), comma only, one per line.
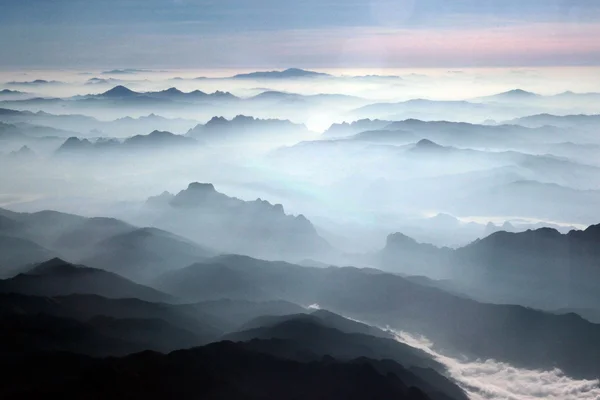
(363,199)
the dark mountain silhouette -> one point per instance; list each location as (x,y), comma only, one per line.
(309,337)
(222,370)
(145,319)
(237,226)
(248,129)
(322,318)
(453,323)
(59,278)
(285,74)
(93,332)
(119,92)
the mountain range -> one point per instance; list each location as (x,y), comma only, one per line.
(233,225)
(454,323)
(540,268)
(242,129)
(103,243)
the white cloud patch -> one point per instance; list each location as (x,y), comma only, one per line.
(493,380)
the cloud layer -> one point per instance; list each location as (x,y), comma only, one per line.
(493,380)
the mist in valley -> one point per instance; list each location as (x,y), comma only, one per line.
(372,200)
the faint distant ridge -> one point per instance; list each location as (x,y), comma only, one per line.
(348,129)
(288,73)
(562,121)
(8,92)
(244,128)
(124,71)
(37,82)
(515,94)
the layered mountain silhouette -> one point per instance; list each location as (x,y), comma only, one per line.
(308,337)
(103,243)
(56,277)
(217,371)
(36,330)
(564,121)
(541,268)
(98,326)
(454,323)
(233,225)
(145,252)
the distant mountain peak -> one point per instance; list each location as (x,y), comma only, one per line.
(201,186)
(516,93)
(426,144)
(172,90)
(196,193)
(119,91)
(217,120)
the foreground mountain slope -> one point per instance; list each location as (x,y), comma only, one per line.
(217,371)
(309,338)
(454,323)
(47,323)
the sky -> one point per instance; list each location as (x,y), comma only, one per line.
(301,33)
